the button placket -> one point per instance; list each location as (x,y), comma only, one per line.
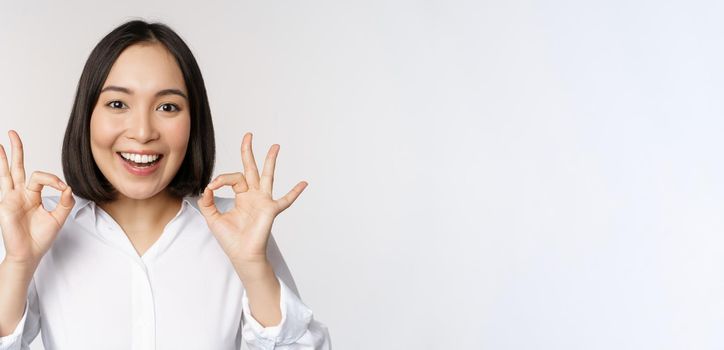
(143,314)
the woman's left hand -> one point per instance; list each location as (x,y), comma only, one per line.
(244,230)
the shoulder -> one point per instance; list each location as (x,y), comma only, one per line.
(223,204)
(49,202)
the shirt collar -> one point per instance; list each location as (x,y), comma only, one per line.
(192,201)
(81,203)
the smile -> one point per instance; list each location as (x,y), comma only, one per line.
(140,159)
(140,164)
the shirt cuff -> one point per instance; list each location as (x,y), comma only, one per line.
(296,317)
(7,342)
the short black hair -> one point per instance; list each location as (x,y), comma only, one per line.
(79,168)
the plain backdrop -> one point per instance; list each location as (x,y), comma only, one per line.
(482,174)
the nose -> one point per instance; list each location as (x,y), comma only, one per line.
(142,127)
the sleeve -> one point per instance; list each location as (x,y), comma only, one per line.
(28,327)
(298,330)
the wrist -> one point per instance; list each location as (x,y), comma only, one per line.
(14,270)
(253,271)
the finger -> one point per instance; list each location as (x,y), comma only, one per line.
(247,157)
(18,167)
(6,180)
(286,201)
(207,205)
(267,175)
(235,180)
(38,179)
(65,205)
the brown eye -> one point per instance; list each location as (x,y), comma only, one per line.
(116,104)
(169,107)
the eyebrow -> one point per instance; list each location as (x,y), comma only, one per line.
(163,92)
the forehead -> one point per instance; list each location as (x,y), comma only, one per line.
(146,68)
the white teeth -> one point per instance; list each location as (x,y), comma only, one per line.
(137,158)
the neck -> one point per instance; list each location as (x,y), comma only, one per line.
(143,216)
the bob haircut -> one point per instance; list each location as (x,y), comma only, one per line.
(80,169)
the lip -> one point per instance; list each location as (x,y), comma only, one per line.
(140,152)
(139,171)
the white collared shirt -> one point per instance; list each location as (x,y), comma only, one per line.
(92,290)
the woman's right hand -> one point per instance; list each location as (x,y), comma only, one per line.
(28,229)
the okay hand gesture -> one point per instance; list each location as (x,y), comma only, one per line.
(244,230)
(28,229)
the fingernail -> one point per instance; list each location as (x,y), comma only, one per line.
(61,185)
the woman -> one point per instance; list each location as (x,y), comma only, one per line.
(137,252)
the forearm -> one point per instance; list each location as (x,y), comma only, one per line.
(14,281)
(263,292)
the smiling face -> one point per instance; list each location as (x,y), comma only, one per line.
(140,125)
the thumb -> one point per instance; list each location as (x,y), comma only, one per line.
(65,205)
(207,206)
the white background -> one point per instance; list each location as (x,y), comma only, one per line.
(482,175)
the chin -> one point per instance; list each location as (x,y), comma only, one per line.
(138,194)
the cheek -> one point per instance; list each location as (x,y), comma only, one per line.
(178,135)
(102,132)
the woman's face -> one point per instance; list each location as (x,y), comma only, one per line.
(140,126)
